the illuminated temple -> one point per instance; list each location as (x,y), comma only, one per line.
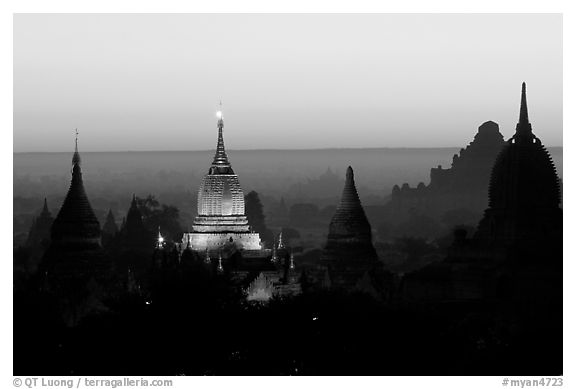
(221,222)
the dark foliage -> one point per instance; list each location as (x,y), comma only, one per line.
(201,327)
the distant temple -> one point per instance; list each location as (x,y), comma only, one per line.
(457,195)
(110,228)
(349,234)
(40,230)
(349,260)
(133,232)
(221,220)
(38,238)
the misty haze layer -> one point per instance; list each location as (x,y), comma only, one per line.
(274,173)
(153,82)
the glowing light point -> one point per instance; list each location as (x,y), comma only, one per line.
(160,241)
(219,114)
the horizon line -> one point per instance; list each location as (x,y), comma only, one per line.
(263,149)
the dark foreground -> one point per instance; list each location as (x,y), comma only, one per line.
(313,334)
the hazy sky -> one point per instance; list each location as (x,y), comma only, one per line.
(153,81)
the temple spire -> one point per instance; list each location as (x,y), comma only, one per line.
(523,106)
(110,227)
(220,267)
(280,242)
(220,158)
(523,128)
(349,220)
(45,210)
(76,156)
(76,219)
(160,240)
(349,197)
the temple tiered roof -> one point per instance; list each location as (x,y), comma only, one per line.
(76,221)
(220,193)
(349,221)
(524,193)
(40,229)
(349,234)
(220,164)
(45,212)
(110,226)
(134,217)
(524,175)
(75,256)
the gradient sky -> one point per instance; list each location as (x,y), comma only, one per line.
(153,81)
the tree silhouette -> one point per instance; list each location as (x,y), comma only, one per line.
(155,215)
(254,212)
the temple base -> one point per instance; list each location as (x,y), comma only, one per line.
(215,241)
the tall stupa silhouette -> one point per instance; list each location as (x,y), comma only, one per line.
(349,234)
(75,268)
(524,192)
(349,260)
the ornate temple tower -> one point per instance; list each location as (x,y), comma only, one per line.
(524,192)
(221,219)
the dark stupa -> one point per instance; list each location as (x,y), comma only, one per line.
(76,226)
(38,238)
(524,193)
(40,230)
(134,233)
(349,234)
(110,228)
(349,259)
(74,266)
(134,216)
(134,243)
(516,253)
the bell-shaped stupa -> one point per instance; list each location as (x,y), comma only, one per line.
(349,235)
(75,255)
(524,192)
(76,224)
(221,219)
